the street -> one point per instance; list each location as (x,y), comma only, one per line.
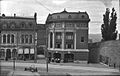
(85,69)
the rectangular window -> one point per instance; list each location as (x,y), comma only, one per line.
(58,25)
(58,45)
(82,39)
(30,39)
(69,35)
(69,46)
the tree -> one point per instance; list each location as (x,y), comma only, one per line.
(108,28)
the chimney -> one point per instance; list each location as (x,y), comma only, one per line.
(3,15)
(35,16)
(14,15)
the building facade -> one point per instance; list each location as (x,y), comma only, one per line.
(68,36)
(18,37)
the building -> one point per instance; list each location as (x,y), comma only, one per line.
(68,36)
(18,37)
(41,40)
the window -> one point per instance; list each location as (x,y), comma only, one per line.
(12,24)
(69,35)
(69,46)
(82,39)
(58,17)
(26,38)
(51,39)
(12,38)
(8,38)
(30,39)
(22,39)
(58,35)
(22,25)
(30,25)
(4,38)
(69,17)
(2,53)
(83,16)
(58,25)
(58,45)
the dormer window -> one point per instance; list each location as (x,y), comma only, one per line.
(83,16)
(22,25)
(69,17)
(58,17)
(30,25)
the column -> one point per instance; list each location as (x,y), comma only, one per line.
(2,39)
(11,50)
(5,54)
(6,38)
(75,40)
(49,40)
(63,40)
(53,43)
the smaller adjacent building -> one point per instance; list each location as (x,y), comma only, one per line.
(18,37)
(68,35)
(41,39)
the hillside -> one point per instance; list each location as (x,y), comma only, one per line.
(95,37)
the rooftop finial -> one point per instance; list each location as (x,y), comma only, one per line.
(64,11)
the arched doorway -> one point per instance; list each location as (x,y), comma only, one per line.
(14,53)
(69,57)
(57,57)
(8,54)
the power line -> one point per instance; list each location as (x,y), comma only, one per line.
(43,5)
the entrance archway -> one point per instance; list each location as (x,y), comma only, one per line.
(8,54)
(69,57)
(57,55)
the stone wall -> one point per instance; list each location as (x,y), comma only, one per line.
(107,52)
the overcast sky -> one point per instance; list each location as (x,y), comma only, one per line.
(95,9)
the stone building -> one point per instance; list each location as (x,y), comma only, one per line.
(68,35)
(18,37)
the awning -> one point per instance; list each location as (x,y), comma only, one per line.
(26,51)
(20,51)
(31,51)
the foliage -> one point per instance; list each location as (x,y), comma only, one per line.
(108,28)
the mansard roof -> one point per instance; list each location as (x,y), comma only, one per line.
(68,16)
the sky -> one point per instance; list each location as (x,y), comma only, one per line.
(95,9)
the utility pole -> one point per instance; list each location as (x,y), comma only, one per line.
(46,50)
(35,50)
(0,51)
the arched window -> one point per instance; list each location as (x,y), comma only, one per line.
(30,39)
(12,25)
(58,17)
(26,38)
(22,39)
(12,38)
(8,38)
(4,38)
(69,17)
(83,16)
(22,25)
